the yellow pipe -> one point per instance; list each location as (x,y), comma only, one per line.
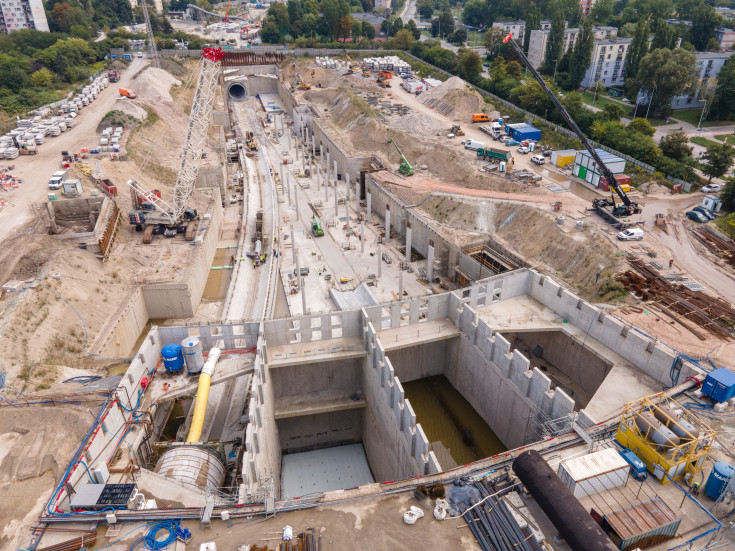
(200,405)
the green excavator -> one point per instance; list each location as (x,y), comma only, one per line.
(316,227)
(406,169)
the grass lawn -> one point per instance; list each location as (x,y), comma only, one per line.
(730,138)
(727,224)
(692,117)
(601,101)
(703,141)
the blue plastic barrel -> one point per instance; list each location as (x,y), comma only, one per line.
(173,359)
(719,477)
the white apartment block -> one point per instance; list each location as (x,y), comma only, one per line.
(539,40)
(709,65)
(608,62)
(22,14)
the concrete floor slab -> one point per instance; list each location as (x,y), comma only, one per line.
(416,334)
(624,383)
(523,313)
(342,348)
(318,402)
(324,470)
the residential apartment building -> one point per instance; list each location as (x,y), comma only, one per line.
(608,62)
(518,28)
(539,40)
(709,65)
(157,4)
(725,38)
(22,14)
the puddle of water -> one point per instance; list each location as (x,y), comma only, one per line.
(218,280)
(449,419)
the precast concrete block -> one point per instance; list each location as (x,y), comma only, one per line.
(585,420)
(258,416)
(408,421)
(562,404)
(538,387)
(398,395)
(518,366)
(388,373)
(421,444)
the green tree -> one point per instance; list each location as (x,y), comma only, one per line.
(446,23)
(723,106)
(498,69)
(403,40)
(368,31)
(613,111)
(395,26)
(42,77)
(674,145)
(426,8)
(718,160)
(665,74)
(704,22)
(295,18)
(476,13)
(310,24)
(460,36)
(665,36)
(469,64)
(493,40)
(642,126)
(602,11)
(555,43)
(514,69)
(411,26)
(582,54)
(637,49)
(278,13)
(533,23)
(727,196)
(331,15)
(312,7)
(270,34)
(356,31)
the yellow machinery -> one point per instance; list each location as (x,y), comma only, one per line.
(250,142)
(301,84)
(668,438)
(354,67)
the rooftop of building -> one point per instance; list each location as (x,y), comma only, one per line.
(613,40)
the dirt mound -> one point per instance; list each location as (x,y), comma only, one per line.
(174,66)
(118,65)
(418,124)
(454,98)
(154,85)
(127,107)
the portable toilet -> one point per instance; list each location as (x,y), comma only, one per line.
(502,166)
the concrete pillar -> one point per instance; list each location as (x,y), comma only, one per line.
(400,285)
(325,175)
(287,183)
(380,260)
(347,195)
(408,243)
(362,237)
(301,289)
(335,174)
(369,216)
(321,155)
(296,199)
(297,143)
(336,203)
(303,156)
(313,145)
(387,224)
(54,227)
(430,260)
(357,195)
(318,177)
(293,243)
(287,131)
(327,168)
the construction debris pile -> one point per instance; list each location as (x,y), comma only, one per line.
(454,97)
(717,243)
(679,302)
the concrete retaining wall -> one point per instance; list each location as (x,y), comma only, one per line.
(301,329)
(121,331)
(313,432)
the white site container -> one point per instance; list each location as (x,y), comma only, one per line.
(594,472)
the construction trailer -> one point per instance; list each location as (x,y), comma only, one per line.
(586,168)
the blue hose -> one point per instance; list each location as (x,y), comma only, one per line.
(154,544)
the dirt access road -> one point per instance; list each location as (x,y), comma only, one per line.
(36,170)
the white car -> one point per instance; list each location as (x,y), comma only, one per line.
(523,149)
(633,234)
(711,188)
(140,55)
(538,159)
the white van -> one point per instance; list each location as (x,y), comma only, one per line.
(474,145)
(632,234)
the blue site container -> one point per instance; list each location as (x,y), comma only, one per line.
(173,358)
(719,477)
(637,467)
(522,131)
(719,385)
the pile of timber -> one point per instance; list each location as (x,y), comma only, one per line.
(716,242)
(687,307)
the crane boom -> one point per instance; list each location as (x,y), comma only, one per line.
(606,172)
(151,39)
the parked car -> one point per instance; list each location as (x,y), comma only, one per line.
(523,149)
(697,216)
(140,55)
(632,234)
(711,188)
(538,159)
(708,213)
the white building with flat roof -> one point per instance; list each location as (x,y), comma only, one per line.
(22,14)
(608,62)
(709,65)
(539,40)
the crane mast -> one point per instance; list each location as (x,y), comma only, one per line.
(152,50)
(158,211)
(630,206)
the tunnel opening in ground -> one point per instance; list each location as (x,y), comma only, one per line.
(571,363)
(237,91)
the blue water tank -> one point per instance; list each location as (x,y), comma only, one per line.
(719,385)
(719,477)
(173,359)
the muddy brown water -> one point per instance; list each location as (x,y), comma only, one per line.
(448,418)
(218,280)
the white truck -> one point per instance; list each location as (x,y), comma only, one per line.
(57,178)
(473,145)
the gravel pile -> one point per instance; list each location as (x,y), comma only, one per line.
(417,123)
(129,108)
(155,85)
(454,83)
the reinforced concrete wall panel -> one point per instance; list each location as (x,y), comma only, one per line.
(418,362)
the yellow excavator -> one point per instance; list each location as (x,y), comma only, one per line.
(301,85)
(354,67)
(250,142)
